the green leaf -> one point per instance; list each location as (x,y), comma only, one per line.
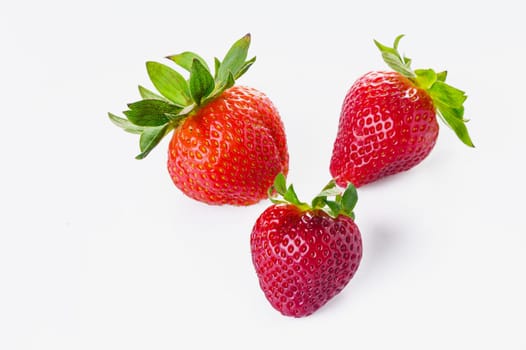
(291,197)
(441,76)
(397,41)
(150,138)
(151,112)
(394,60)
(234,59)
(186,58)
(334,191)
(217,65)
(446,94)
(288,194)
(453,117)
(274,200)
(155,106)
(201,81)
(449,102)
(407,61)
(230,81)
(170,84)
(318,202)
(329,185)
(280,184)
(425,78)
(342,204)
(330,189)
(149,95)
(245,67)
(335,208)
(125,124)
(141,119)
(349,198)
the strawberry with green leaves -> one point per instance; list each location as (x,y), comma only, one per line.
(228,142)
(388,120)
(305,254)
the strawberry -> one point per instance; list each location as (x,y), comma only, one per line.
(306,254)
(388,120)
(228,142)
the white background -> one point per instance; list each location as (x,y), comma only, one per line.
(101,251)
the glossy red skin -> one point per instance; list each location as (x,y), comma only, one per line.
(387,125)
(303,258)
(230,150)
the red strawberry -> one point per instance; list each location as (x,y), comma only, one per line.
(228,142)
(388,120)
(306,254)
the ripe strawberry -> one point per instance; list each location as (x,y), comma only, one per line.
(306,254)
(228,142)
(388,120)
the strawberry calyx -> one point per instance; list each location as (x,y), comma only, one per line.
(448,100)
(343,203)
(157,114)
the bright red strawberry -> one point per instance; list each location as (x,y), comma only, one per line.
(388,120)
(230,150)
(228,142)
(306,254)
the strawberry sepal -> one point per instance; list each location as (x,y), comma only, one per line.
(392,57)
(201,81)
(448,100)
(343,203)
(150,138)
(157,114)
(185,60)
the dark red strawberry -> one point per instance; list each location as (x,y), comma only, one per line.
(228,142)
(306,254)
(388,120)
